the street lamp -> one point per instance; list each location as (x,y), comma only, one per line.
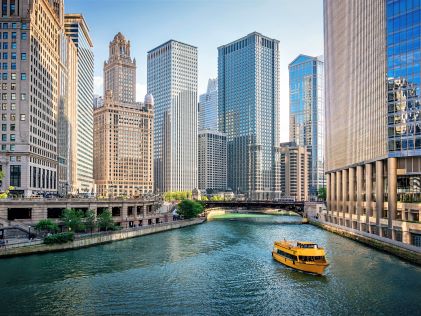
(126,221)
(29,232)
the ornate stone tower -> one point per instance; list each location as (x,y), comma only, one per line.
(120,71)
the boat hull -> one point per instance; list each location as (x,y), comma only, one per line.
(314,268)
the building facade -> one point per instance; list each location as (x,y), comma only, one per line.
(81,155)
(306,113)
(373,160)
(30,94)
(295,171)
(123,132)
(172,80)
(212,160)
(248,109)
(208,107)
(120,71)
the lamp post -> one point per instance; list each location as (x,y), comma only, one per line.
(126,221)
(29,232)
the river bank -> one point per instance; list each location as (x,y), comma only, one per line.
(97,239)
(409,253)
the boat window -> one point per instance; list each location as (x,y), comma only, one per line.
(307,245)
(286,255)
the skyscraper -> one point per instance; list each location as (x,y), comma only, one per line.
(208,107)
(248,102)
(172,80)
(30,93)
(295,171)
(123,131)
(306,113)
(212,160)
(373,138)
(82,160)
(120,71)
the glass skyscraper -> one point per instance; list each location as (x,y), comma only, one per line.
(208,107)
(172,80)
(248,103)
(306,113)
(373,123)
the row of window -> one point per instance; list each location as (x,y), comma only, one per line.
(13,25)
(5,35)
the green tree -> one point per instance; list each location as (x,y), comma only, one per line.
(73,220)
(321,194)
(189,208)
(90,220)
(105,220)
(47,225)
(204,198)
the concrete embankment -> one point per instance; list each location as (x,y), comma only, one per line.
(98,239)
(411,255)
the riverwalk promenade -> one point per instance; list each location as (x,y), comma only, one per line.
(88,240)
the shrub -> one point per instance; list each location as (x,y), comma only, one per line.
(189,208)
(47,225)
(60,238)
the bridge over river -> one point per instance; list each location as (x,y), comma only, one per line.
(294,206)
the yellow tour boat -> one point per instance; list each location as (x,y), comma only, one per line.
(300,255)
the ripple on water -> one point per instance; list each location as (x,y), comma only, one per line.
(218,268)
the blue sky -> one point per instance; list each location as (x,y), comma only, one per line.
(207,24)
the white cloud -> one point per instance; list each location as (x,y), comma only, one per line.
(98,85)
(140,92)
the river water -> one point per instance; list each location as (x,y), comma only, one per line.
(218,268)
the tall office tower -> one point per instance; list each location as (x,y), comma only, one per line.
(123,147)
(248,102)
(373,131)
(30,93)
(212,160)
(123,141)
(120,71)
(306,113)
(295,171)
(172,80)
(208,107)
(82,159)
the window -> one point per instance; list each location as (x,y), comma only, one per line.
(13,66)
(22,76)
(4,117)
(5,35)
(13,86)
(23,117)
(12,147)
(12,137)
(3,137)
(4,76)
(12,127)
(4,96)
(12,96)
(4,127)
(13,76)
(5,66)
(13,106)
(3,147)
(4,106)
(5,55)
(23,36)
(13,117)
(24,26)
(5,45)
(23,56)
(14,45)
(13,35)
(14,25)
(23,96)
(15,176)
(5,26)
(13,55)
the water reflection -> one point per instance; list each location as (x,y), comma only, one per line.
(220,267)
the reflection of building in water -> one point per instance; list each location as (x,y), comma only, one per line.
(373,167)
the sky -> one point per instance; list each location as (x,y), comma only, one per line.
(206,24)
